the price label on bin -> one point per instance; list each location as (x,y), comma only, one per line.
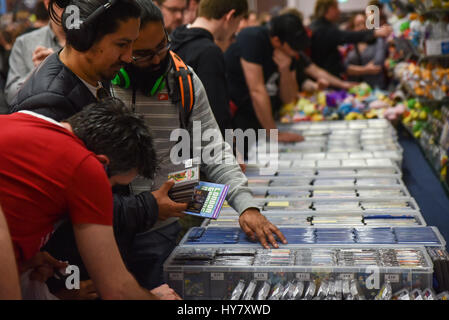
(347,276)
(261,276)
(217,276)
(303,276)
(393,278)
(178,276)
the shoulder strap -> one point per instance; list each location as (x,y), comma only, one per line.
(186,98)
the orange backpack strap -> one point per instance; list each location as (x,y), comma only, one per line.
(186,98)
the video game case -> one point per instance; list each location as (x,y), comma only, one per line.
(185,183)
(207,201)
(182,194)
(188,178)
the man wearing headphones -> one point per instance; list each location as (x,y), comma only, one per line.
(79,75)
(150,86)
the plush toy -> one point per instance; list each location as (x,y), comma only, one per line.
(333,99)
(361,91)
(354,116)
(394,113)
(378,104)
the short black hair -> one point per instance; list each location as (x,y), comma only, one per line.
(289,28)
(41,12)
(106,24)
(110,128)
(216,9)
(150,13)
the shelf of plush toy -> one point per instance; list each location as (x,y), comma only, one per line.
(431,102)
(426,58)
(437,168)
(439,13)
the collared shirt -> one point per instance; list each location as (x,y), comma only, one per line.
(100,92)
(21,58)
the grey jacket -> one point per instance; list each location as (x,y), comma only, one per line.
(20,61)
(162,118)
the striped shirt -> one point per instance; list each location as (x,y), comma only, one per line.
(162,117)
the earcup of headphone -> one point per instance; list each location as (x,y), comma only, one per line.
(62,3)
(122,79)
(81,39)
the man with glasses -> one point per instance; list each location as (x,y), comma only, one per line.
(173,12)
(151,78)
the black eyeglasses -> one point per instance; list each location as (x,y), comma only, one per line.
(159,53)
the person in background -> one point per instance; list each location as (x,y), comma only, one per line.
(8,36)
(9,277)
(173,11)
(326,37)
(30,50)
(364,63)
(261,73)
(41,16)
(309,76)
(383,17)
(264,18)
(217,21)
(191,12)
(249,20)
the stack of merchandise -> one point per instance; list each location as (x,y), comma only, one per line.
(186,182)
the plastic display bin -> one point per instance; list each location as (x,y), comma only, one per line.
(302,219)
(313,236)
(217,282)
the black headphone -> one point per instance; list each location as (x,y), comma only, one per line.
(62,3)
(82,38)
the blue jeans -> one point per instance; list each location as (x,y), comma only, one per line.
(149,252)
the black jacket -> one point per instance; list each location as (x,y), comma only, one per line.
(55,91)
(326,37)
(197,48)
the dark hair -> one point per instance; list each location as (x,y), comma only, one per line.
(110,128)
(188,2)
(150,13)
(322,7)
(289,28)
(41,12)
(216,9)
(120,11)
(292,10)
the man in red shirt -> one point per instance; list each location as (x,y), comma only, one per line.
(50,171)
